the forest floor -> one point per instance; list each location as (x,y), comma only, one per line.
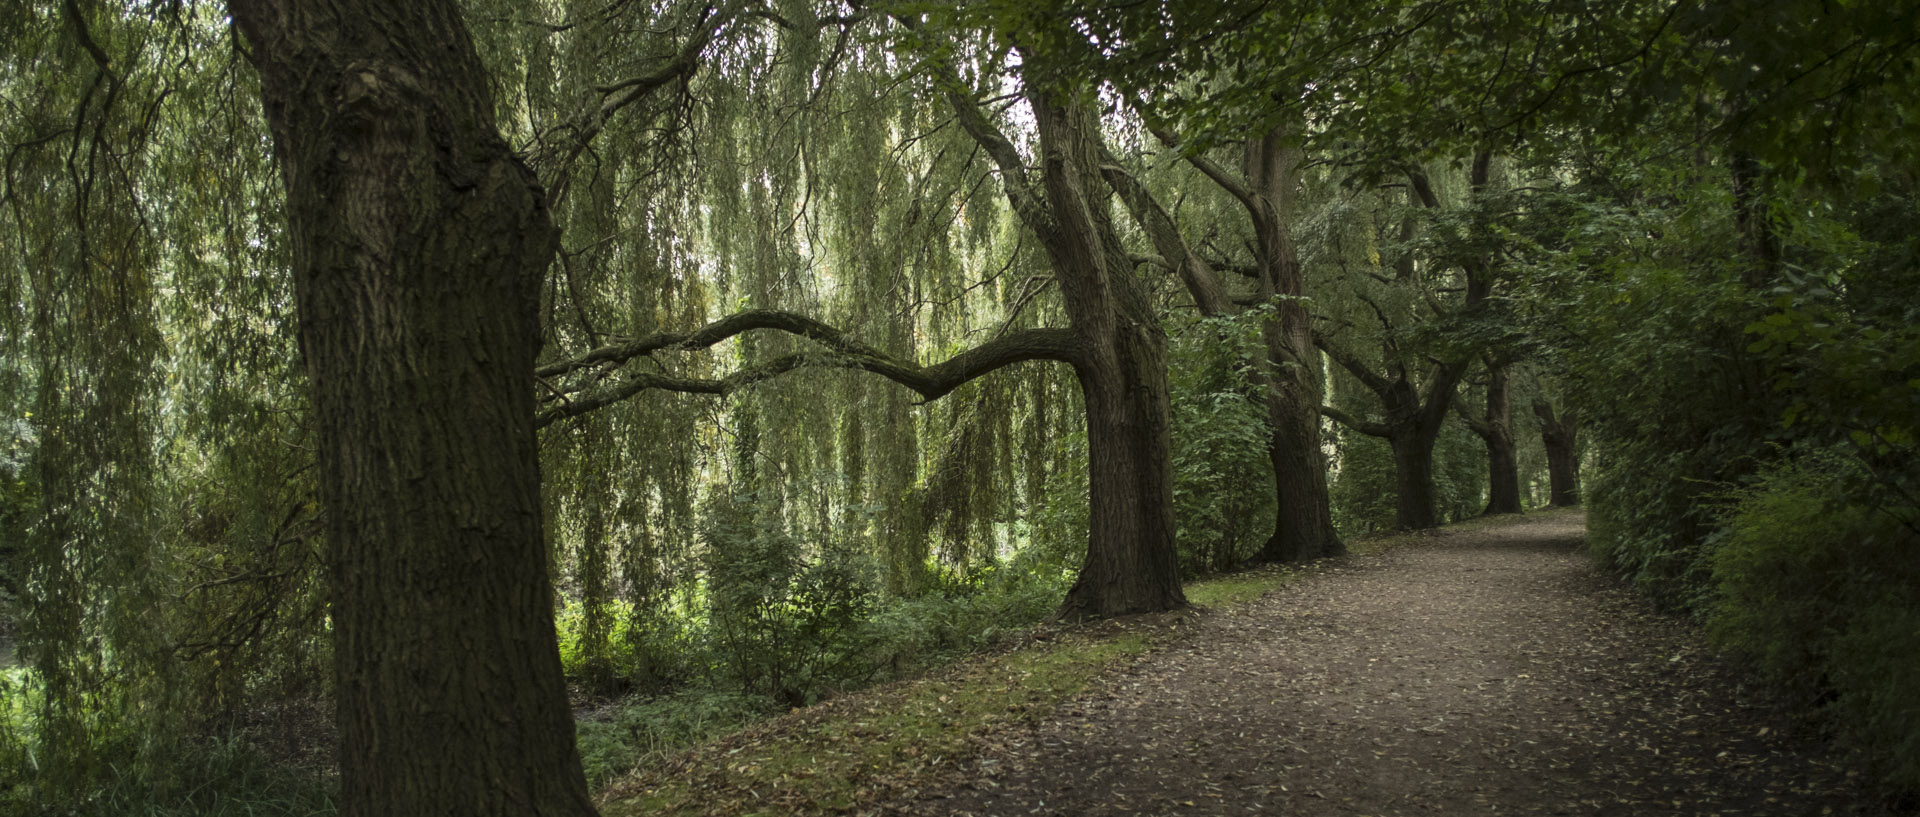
(1484,671)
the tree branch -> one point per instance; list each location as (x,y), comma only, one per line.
(930,382)
(1364,427)
(1355,365)
(1202,282)
(588,124)
(1234,185)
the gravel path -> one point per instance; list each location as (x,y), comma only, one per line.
(1476,673)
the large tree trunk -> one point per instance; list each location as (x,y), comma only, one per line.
(1131,564)
(1303,515)
(1561,435)
(1131,560)
(1503,460)
(418,245)
(1303,519)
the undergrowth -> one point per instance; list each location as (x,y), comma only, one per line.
(1820,593)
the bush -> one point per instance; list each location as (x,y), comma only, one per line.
(614,746)
(911,633)
(782,623)
(1821,594)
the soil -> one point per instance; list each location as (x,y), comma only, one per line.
(1484,672)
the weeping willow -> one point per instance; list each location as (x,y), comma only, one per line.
(168,577)
(801,168)
(167,569)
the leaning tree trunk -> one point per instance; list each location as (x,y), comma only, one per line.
(418,242)
(1560,434)
(1503,460)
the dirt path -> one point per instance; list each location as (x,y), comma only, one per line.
(1485,672)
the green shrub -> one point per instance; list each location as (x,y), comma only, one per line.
(906,634)
(613,746)
(782,622)
(1821,594)
(151,775)
(1362,491)
(1222,480)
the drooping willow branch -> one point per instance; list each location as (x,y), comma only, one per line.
(930,382)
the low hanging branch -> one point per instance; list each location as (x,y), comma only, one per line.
(843,352)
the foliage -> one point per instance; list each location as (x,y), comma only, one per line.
(632,734)
(1223,483)
(1820,591)
(1363,489)
(783,622)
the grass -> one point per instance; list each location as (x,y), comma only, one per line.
(829,758)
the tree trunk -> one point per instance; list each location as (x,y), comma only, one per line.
(418,245)
(1303,514)
(1132,563)
(1131,560)
(1503,460)
(1414,503)
(1303,519)
(1561,435)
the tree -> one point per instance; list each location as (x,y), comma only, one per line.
(1560,432)
(1113,342)
(1265,189)
(420,242)
(1495,427)
(1415,403)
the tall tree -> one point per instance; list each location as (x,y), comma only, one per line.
(1415,403)
(1265,189)
(419,244)
(1495,428)
(1113,342)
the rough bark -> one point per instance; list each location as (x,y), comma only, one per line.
(1303,524)
(418,245)
(1131,564)
(1415,505)
(1561,435)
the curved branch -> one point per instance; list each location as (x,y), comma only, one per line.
(930,382)
(1202,282)
(1234,185)
(707,336)
(1478,425)
(1364,427)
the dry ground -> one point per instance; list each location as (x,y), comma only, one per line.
(1484,672)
